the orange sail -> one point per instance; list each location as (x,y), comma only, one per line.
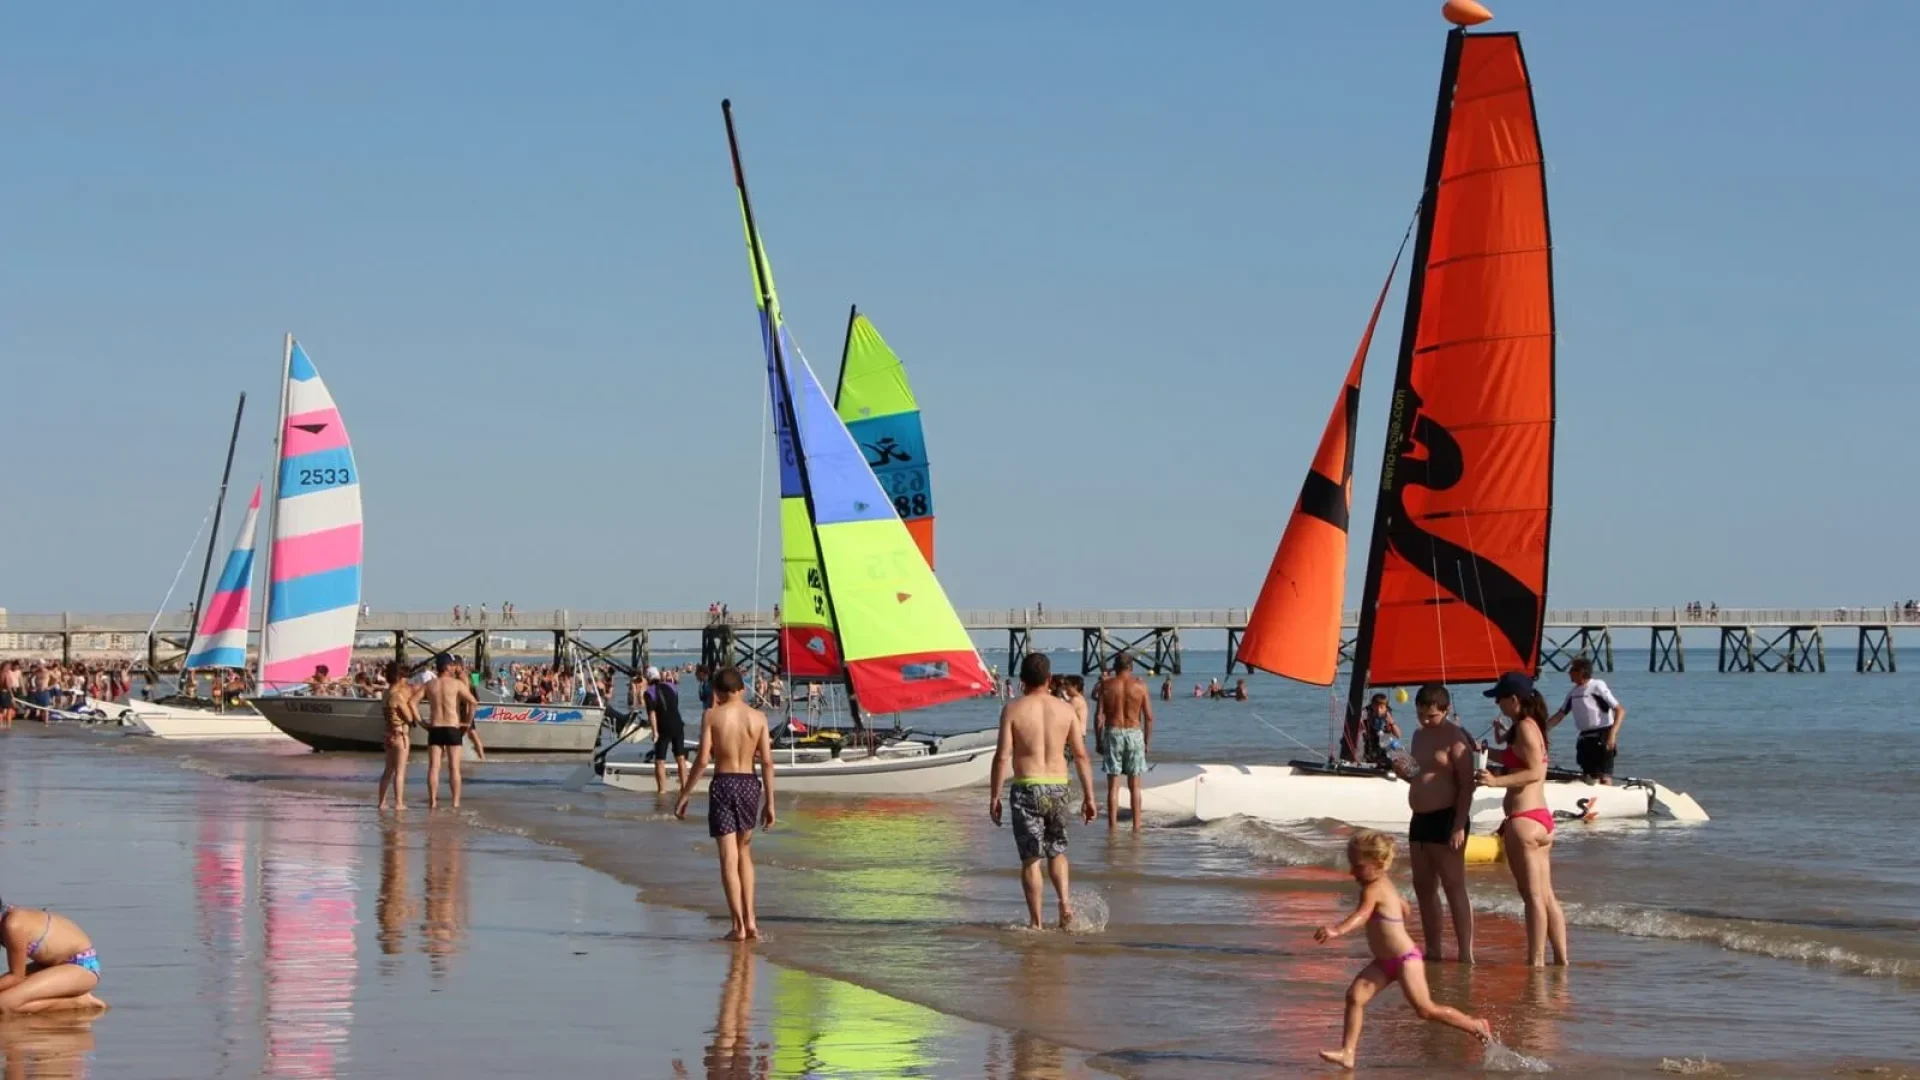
(1457,574)
(1294,628)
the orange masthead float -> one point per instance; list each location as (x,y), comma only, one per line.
(1465,12)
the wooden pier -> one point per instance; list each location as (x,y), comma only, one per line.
(1750,639)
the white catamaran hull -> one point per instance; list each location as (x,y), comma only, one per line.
(183,722)
(914,767)
(1285,794)
(330,723)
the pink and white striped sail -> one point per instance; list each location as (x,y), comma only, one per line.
(313,597)
(222,638)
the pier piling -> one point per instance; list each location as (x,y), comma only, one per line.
(1665,651)
(1876,650)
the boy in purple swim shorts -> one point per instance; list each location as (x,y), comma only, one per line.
(734,737)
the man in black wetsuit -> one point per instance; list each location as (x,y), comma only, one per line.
(669,731)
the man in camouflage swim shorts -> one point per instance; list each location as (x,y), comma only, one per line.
(1038,733)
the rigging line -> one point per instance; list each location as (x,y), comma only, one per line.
(1493,653)
(1283,733)
(184,560)
(1439,633)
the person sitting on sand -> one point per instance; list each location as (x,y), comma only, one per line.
(1395,959)
(1038,732)
(50,963)
(734,736)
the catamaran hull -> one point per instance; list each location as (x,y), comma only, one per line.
(1285,794)
(956,761)
(360,724)
(181,722)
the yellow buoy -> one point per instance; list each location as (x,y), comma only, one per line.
(1484,849)
(1400,695)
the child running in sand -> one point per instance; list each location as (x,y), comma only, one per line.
(50,963)
(1384,914)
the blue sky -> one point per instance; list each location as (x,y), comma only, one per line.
(1125,249)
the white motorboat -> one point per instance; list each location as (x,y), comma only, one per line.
(910,764)
(1304,791)
(175,721)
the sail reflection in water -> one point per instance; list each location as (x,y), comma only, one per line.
(220,897)
(308,885)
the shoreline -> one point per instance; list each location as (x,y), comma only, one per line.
(324,938)
(899,900)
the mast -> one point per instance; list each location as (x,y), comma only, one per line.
(772,308)
(1398,421)
(846,349)
(219,503)
(273,509)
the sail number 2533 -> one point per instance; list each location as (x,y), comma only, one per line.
(317,477)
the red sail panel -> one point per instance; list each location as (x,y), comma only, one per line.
(1294,628)
(1463,584)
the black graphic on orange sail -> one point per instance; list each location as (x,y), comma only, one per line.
(1457,579)
(1461,575)
(1294,628)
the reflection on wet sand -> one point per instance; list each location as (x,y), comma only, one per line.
(53,1047)
(308,887)
(1040,990)
(393,907)
(732,1055)
(220,897)
(443,923)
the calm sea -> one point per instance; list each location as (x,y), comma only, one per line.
(1779,939)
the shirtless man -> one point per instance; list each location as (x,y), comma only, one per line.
(451,702)
(1440,794)
(1038,732)
(662,698)
(734,736)
(11,686)
(1123,724)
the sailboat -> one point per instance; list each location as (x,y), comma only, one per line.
(860,572)
(1456,571)
(218,637)
(313,595)
(875,401)
(220,643)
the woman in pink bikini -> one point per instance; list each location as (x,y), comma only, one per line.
(1528,831)
(1395,959)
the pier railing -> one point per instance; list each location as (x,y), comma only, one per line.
(1040,618)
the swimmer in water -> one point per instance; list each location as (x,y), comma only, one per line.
(50,963)
(1395,959)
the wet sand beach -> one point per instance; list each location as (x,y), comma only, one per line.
(247,929)
(1777,940)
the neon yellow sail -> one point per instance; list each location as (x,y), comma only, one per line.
(877,403)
